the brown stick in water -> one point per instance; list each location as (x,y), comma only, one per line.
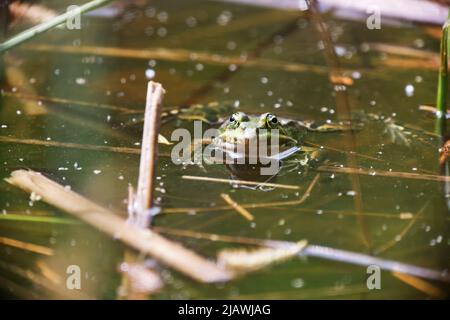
(146,241)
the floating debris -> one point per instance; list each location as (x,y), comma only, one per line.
(242,211)
(241,260)
(253,183)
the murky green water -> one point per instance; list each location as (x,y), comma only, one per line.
(329,217)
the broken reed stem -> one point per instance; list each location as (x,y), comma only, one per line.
(180,55)
(70,145)
(45,26)
(421,285)
(26,246)
(242,211)
(149,150)
(323,252)
(401,235)
(146,241)
(252,183)
(380,173)
(61,101)
(305,196)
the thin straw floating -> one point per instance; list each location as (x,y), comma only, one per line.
(252,183)
(146,241)
(45,26)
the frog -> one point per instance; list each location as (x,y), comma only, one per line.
(241,129)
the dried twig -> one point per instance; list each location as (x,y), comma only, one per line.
(180,55)
(302,199)
(381,173)
(26,246)
(142,201)
(47,25)
(320,252)
(421,285)
(146,241)
(252,183)
(70,145)
(242,211)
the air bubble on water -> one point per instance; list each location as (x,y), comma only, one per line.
(123,80)
(351,193)
(232,67)
(97,171)
(162,32)
(162,16)
(398,237)
(409,90)
(439,239)
(199,67)
(120,177)
(253,225)
(288,231)
(356,75)
(319,211)
(231,45)
(150,73)
(3,126)
(80,81)
(35,197)
(340,51)
(18,112)
(418,79)
(340,87)
(298,283)
(150,12)
(269,93)
(281,222)
(63,169)
(320,45)
(419,43)
(236,103)
(264,80)
(323,109)
(191,21)
(224,18)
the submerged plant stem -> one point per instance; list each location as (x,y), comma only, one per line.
(45,26)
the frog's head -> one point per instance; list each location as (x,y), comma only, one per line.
(241,128)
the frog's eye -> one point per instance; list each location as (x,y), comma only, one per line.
(239,117)
(272,119)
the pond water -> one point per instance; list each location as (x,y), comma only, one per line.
(82,93)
